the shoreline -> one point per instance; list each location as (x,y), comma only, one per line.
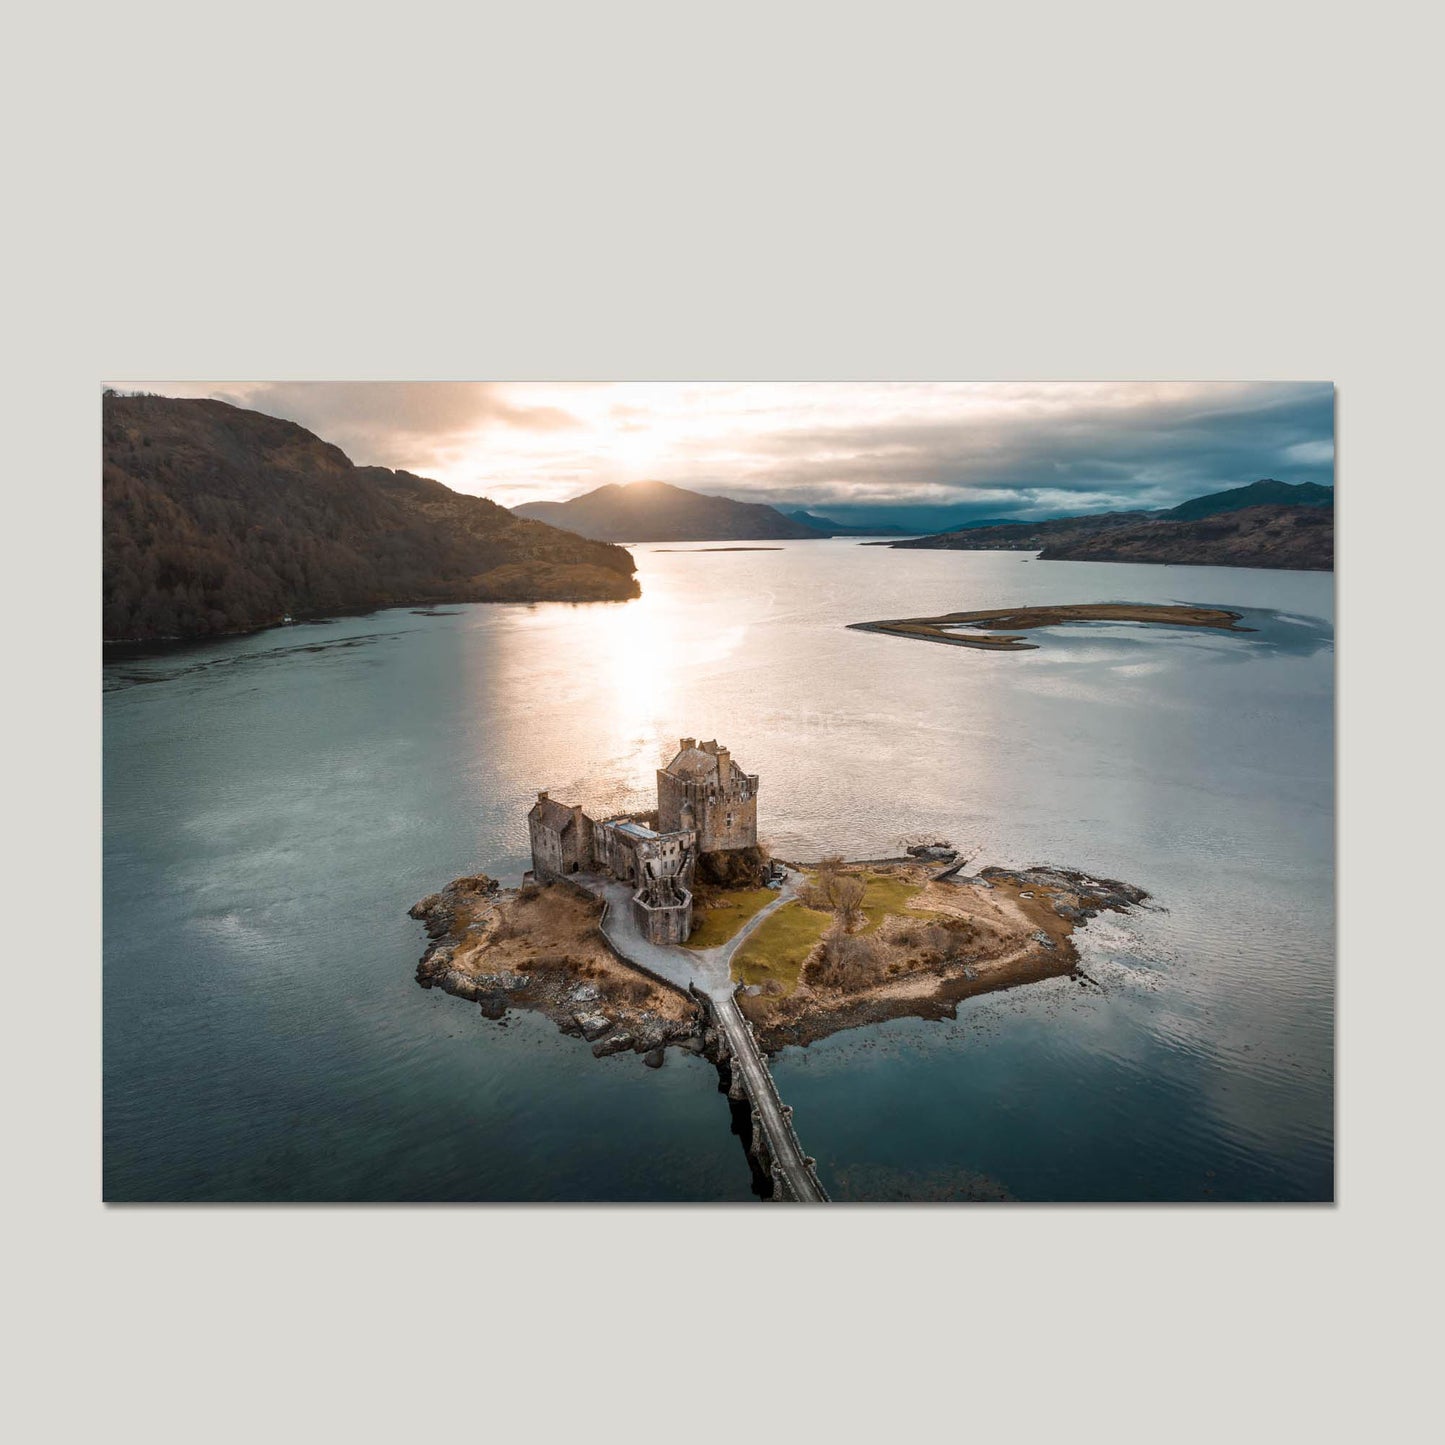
(1034,914)
(951,937)
(421,607)
(1005,623)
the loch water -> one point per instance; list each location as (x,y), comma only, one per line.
(275,803)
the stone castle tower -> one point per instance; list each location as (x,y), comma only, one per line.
(704,792)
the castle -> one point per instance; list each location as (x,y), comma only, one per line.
(705,804)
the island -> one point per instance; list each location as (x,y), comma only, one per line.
(1003,624)
(676,928)
(848,944)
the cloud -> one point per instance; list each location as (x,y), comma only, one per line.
(1322,451)
(415,425)
(867,451)
(1086,453)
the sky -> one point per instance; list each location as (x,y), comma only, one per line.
(910,453)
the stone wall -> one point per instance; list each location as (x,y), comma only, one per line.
(557,852)
(723,817)
(668,924)
(622,853)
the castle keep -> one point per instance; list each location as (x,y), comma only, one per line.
(705,804)
(704,791)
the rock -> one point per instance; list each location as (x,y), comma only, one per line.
(593,1025)
(654,1058)
(653,1032)
(478,883)
(1039,936)
(585,993)
(612,1044)
(494,1005)
(503,982)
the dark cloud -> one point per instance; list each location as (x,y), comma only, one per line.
(1092,457)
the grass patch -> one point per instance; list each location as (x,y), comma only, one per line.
(726,914)
(777,950)
(885,893)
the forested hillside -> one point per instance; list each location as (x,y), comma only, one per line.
(218,519)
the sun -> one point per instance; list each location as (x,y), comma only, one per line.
(634,449)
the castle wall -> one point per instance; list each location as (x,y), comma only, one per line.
(557,852)
(547,861)
(670,924)
(672,799)
(613,853)
(622,853)
(724,818)
(729,823)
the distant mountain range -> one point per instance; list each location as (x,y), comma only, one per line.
(1266,524)
(1017,536)
(827,527)
(217,519)
(660,512)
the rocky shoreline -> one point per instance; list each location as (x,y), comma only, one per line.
(1047,905)
(543,949)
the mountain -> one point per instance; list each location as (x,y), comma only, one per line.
(1178,534)
(660,512)
(829,528)
(1292,536)
(1264,493)
(1018,536)
(994,522)
(217,519)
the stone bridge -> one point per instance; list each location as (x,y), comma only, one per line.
(774,1147)
(706,974)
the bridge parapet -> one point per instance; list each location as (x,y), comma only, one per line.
(775,1146)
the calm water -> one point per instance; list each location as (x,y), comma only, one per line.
(273,805)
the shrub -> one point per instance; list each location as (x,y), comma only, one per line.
(844,960)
